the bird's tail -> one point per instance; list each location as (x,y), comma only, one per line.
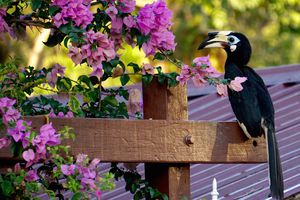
(275,171)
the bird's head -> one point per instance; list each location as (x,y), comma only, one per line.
(235,44)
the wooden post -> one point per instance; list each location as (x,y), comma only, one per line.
(161,102)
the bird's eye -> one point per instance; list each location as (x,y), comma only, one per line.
(233,40)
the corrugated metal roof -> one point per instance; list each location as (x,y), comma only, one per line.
(245,181)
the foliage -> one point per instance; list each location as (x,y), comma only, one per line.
(271,26)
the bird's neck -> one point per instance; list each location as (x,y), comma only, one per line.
(232,70)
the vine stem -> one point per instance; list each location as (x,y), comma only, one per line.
(170,60)
(100,90)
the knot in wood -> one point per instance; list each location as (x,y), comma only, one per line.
(189,140)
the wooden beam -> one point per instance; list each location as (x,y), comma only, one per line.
(160,141)
(161,102)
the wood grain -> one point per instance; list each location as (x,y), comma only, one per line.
(159,141)
(161,102)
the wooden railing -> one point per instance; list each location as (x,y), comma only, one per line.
(165,140)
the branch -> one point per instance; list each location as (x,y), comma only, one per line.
(33,23)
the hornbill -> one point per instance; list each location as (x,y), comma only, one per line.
(252,106)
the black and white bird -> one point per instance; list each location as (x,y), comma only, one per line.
(252,106)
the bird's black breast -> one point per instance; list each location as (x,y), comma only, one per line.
(253,103)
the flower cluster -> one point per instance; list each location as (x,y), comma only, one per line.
(235,85)
(200,71)
(60,114)
(52,76)
(98,48)
(75,10)
(36,149)
(3,25)
(126,6)
(155,20)
(85,171)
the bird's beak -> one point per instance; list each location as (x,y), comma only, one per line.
(215,40)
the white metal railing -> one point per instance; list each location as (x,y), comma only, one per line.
(214,193)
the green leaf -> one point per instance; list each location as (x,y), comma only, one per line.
(53,10)
(7,188)
(141,39)
(161,78)
(159,56)
(111,100)
(123,93)
(16,148)
(147,78)
(66,28)
(134,188)
(77,196)
(135,67)
(138,195)
(74,104)
(124,79)
(64,84)
(85,79)
(165,197)
(107,67)
(36,4)
(159,69)
(55,38)
(172,82)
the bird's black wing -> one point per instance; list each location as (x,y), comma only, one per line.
(245,103)
(267,113)
(263,96)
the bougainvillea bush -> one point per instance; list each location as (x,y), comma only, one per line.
(93,32)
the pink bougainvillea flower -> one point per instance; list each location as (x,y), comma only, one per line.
(6,102)
(98,194)
(31,175)
(76,11)
(28,155)
(236,84)
(75,55)
(116,25)
(147,69)
(69,114)
(155,20)
(198,80)
(126,6)
(17,167)
(185,75)
(52,76)
(111,11)
(94,163)
(88,182)
(204,67)
(129,21)
(222,90)
(52,114)
(19,132)
(11,115)
(81,158)
(60,115)
(4,27)
(68,169)
(4,142)
(48,134)
(97,71)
